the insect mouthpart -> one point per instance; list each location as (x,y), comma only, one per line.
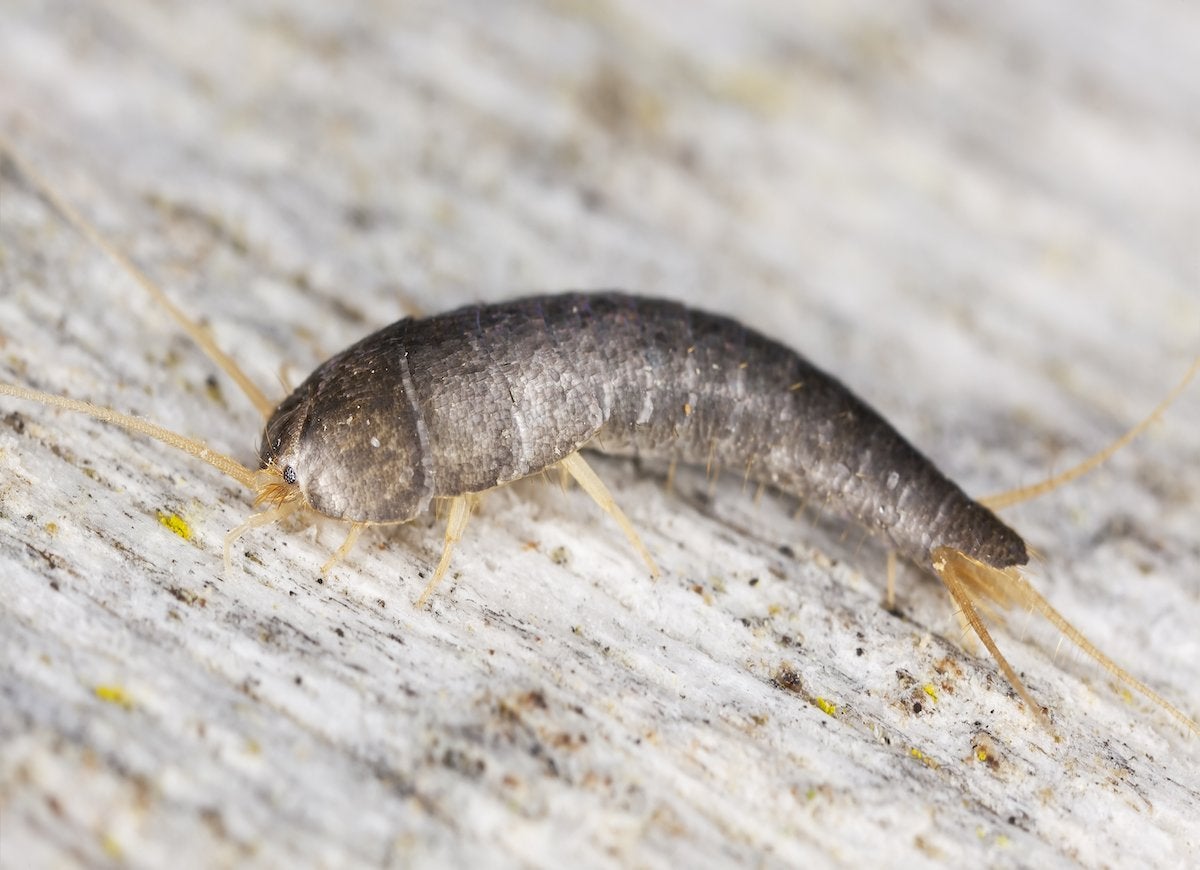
(274,487)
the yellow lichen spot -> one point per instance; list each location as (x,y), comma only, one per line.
(176,524)
(826,707)
(114,695)
(111,847)
(981,754)
(931,690)
(687,409)
(52,528)
(923,758)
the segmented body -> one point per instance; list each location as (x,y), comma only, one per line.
(478,397)
(459,403)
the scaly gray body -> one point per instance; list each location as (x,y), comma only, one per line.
(479,397)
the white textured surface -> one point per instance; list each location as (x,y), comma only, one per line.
(985,222)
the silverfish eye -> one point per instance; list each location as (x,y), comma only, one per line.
(289,474)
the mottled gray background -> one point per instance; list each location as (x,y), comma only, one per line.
(984,218)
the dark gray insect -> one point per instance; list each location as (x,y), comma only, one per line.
(470,400)
(450,406)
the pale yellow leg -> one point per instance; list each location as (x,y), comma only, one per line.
(460,512)
(254,521)
(593,486)
(759,493)
(345,548)
(714,477)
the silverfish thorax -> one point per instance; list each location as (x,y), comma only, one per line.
(479,397)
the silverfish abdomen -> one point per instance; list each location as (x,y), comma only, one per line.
(485,395)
